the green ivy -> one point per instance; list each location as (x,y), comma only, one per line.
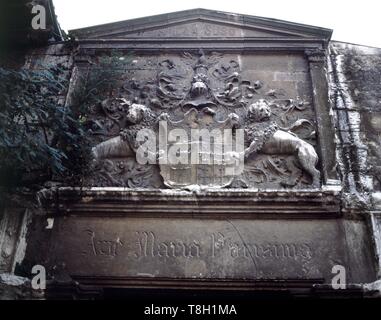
(40,137)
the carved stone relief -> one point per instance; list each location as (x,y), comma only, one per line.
(204,91)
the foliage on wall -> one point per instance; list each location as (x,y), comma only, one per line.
(42,138)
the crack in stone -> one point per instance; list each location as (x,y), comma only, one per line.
(244,243)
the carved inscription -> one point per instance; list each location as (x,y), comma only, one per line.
(196,29)
(220,244)
(147,244)
(200,29)
(103,247)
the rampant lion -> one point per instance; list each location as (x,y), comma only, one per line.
(125,145)
(266,137)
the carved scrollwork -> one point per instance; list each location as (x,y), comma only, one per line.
(205,91)
(230,89)
(125,173)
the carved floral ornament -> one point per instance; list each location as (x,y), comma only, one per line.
(200,124)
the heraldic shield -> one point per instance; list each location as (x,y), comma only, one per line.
(200,151)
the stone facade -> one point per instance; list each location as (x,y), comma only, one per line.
(306,200)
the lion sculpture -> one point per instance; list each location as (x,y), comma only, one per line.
(124,145)
(270,139)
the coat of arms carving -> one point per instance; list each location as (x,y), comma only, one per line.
(207,127)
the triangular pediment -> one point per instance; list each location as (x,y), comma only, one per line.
(201,23)
(200,28)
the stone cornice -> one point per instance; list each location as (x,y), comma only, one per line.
(232,203)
